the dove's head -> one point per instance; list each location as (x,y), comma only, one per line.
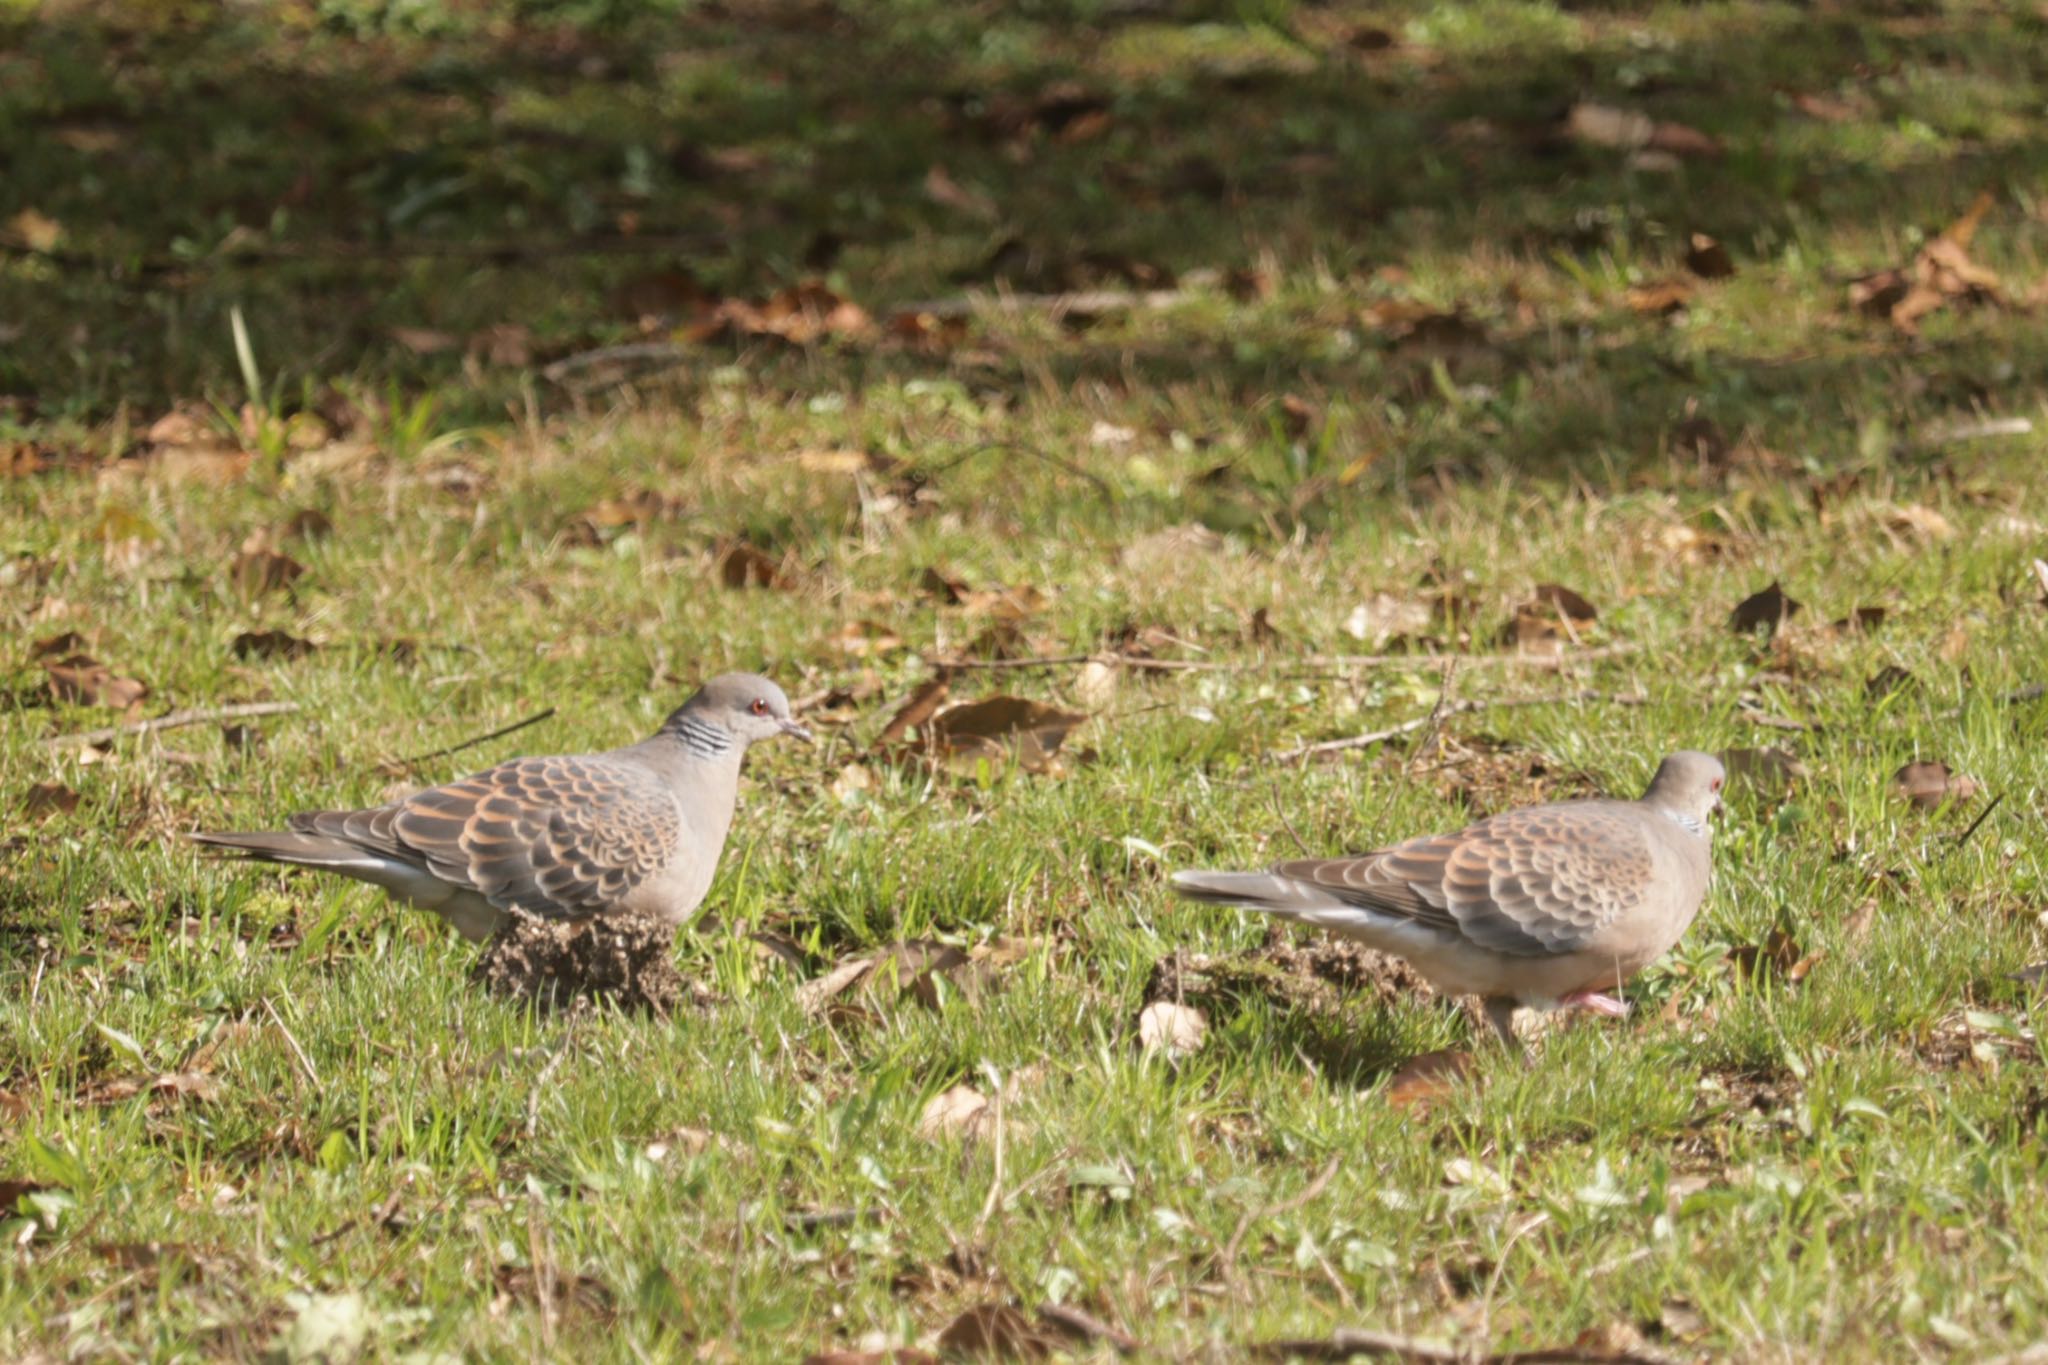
(745,706)
(1688,788)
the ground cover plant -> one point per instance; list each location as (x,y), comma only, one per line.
(1139,436)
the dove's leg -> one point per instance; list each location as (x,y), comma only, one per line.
(1500,1012)
(1593,1002)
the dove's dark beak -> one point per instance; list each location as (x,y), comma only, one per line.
(797,730)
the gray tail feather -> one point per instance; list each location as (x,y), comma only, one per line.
(1251,891)
(282,846)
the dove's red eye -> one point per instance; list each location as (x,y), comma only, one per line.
(760,706)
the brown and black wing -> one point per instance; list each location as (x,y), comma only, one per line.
(558,837)
(1537,882)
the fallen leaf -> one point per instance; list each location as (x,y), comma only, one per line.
(1767,608)
(84,681)
(68,642)
(308,523)
(258,570)
(46,799)
(923,703)
(171,1085)
(995,727)
(1604,125)
(1707,258)
(741,565)
(1421,1081)
(1933,784)
(1859,621)
(1659,299)
(835,461)
(1827,108)
(1919,523)
(329,1328)
(1940,273)
(942,189)
(1177,1030)
(424,340)
(961,1109)
(900,1355)
(1886,681)
(1770,772)
(36,231)
(802,315)
(866,639)
(1777,955)
(270,644)
(993,1331)
(945,588)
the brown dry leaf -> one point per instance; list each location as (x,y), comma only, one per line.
(1919,522)
(866,639)
(1691,545)
(1707,258)
(850,783)
(2041,579)
(46,799)
(308,523)
(961,1109)
(1768,608)
(271,644)
(1422,1081)
(1604,125)
(1940,273)
(1778,955)
(942,189)
(834,460)
(993,1331)
(424,340)
(1661,298)
(1769,772)
(258,570)
(911,970)
(1859,621)
(85,681)
(506,345)
(1567,603)
(1933,784)
(993,728)
(176,1085)
(1827,108)
(801,315)
(923,703)
(35,230)
(898,1355)
(1886,681)
(68,642)
(659,297)
(943,587)
(741,565)
(1177,1030)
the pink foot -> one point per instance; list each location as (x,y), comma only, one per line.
(1593,1002)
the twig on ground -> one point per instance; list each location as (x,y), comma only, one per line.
(1407,727)
(1087,1326)
(1102,485)
(1436,718)
(653,354)
(1079,301)
(1513,660)
(533,719)
(1273,791)
(305,1062)
(1982,816)
(176,720)
(1308,1195)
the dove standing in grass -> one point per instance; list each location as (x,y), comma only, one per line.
(1546,906)
(636,830)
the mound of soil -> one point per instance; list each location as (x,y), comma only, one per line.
(569,964)
(1320,973)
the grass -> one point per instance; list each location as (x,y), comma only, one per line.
(349,1141)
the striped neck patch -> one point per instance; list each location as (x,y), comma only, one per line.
(705,741)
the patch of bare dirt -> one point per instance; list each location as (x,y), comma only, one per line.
(570,964)
(1319,974)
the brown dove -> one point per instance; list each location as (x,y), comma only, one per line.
(637,829)
(1547,906)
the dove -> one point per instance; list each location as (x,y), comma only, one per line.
(636,830)
(1546,906)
